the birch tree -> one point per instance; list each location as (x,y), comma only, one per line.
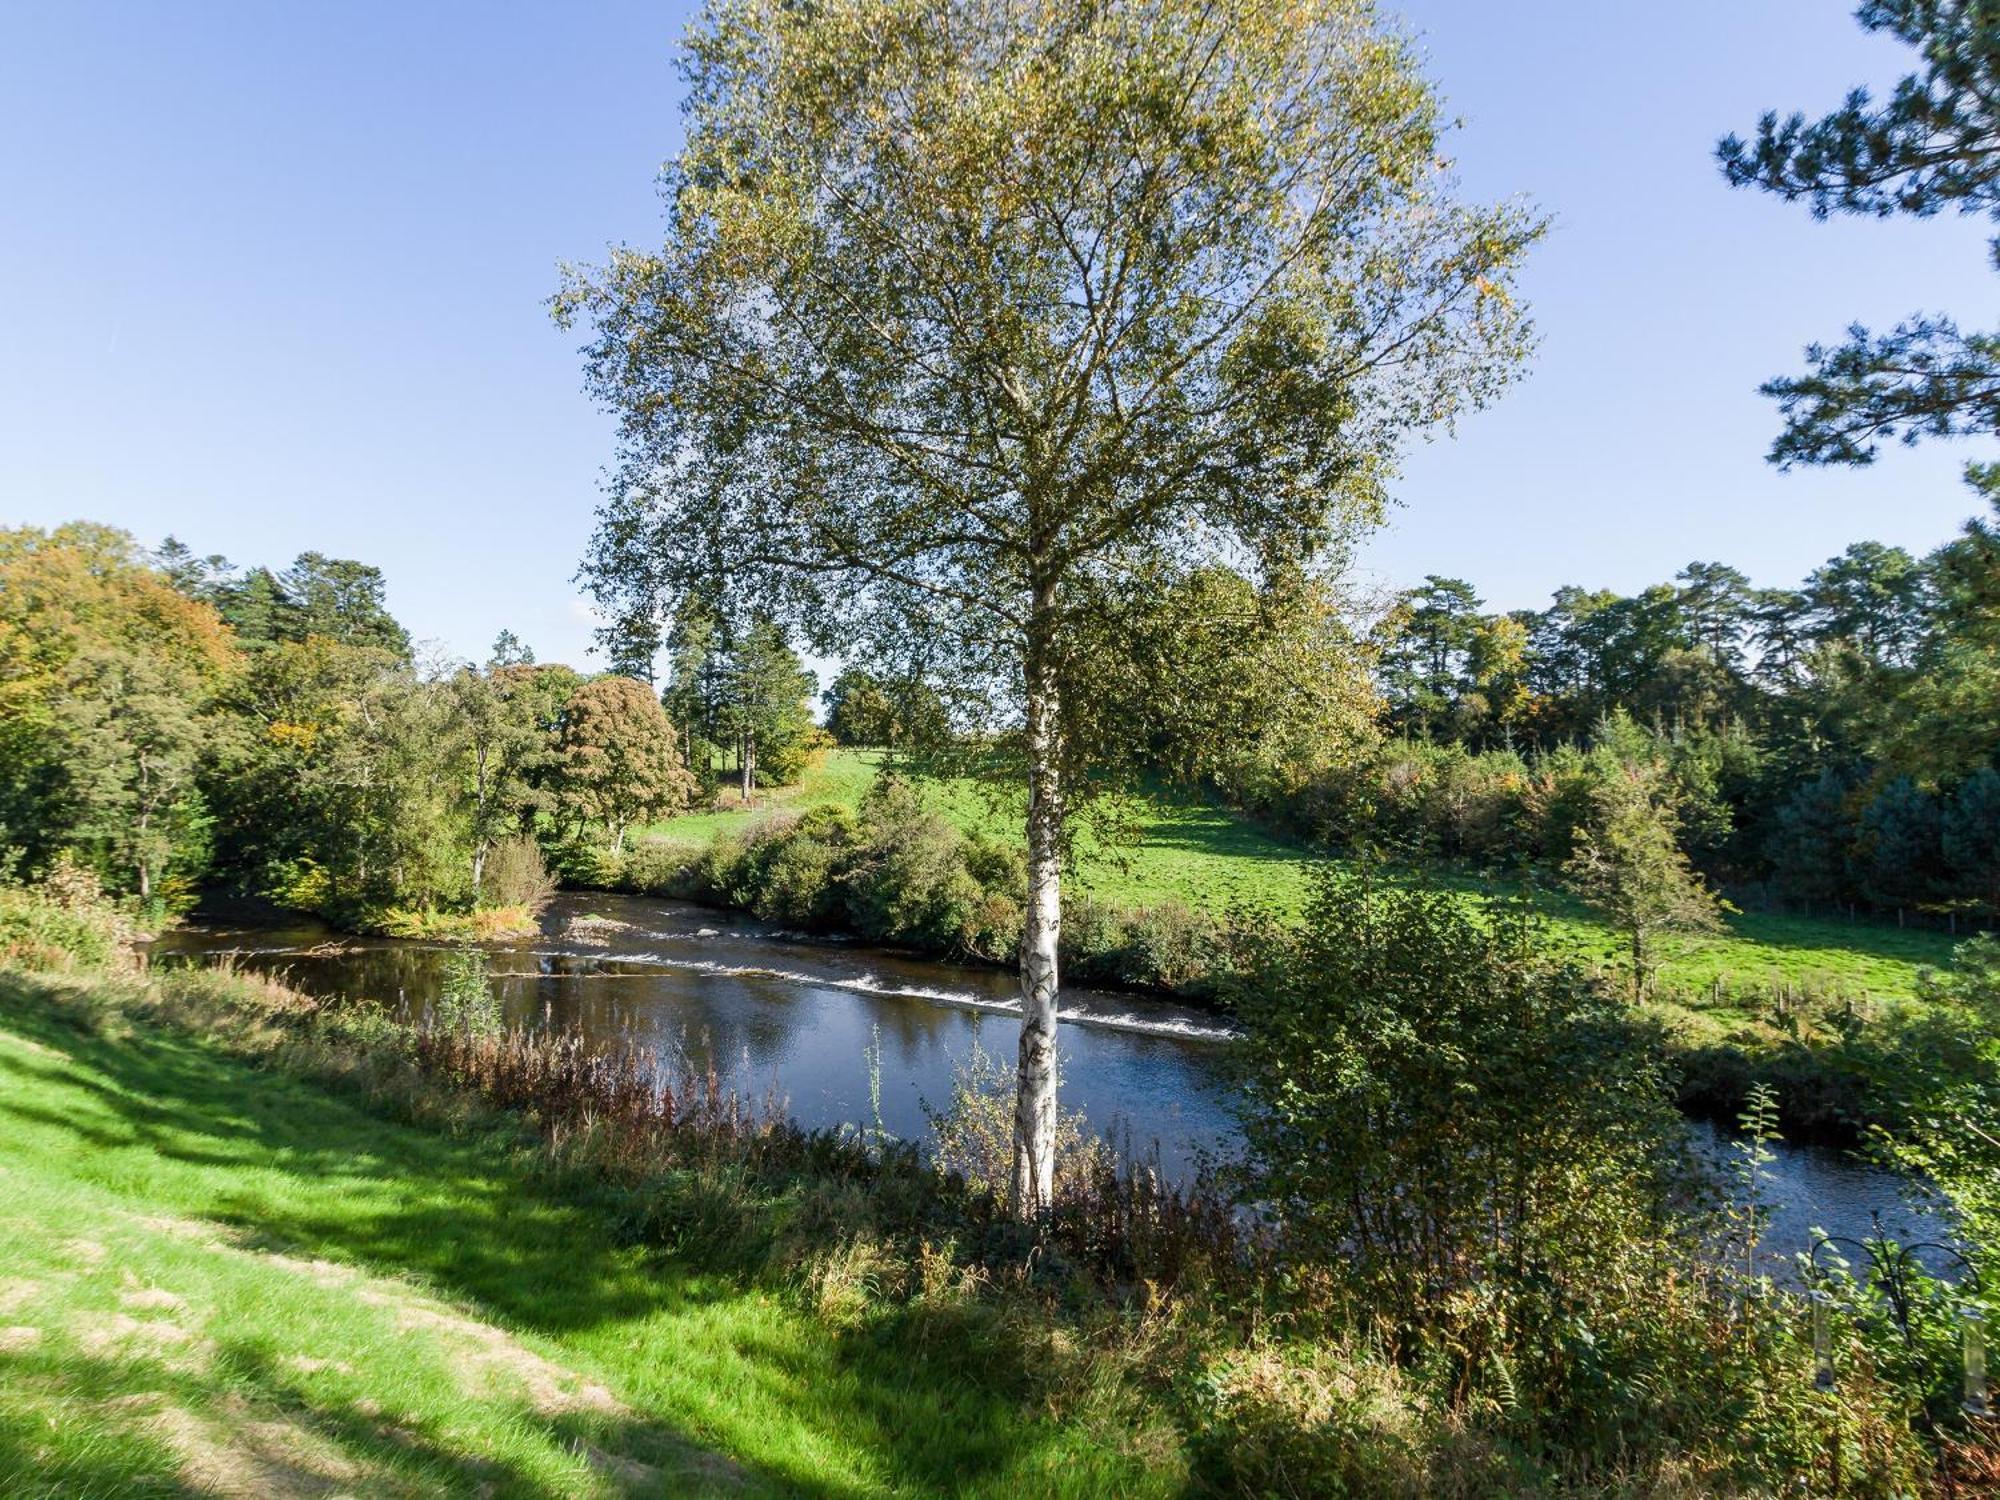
(967,311)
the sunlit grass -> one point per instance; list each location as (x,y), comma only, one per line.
(1207,858)
(215,1277)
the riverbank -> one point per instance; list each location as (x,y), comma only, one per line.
(1778,1003)
(1204,857)
(251,1253)
(280,1245)
(845,1033)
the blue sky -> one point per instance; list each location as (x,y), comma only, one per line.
(272,278)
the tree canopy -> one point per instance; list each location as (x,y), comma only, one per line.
(966,314)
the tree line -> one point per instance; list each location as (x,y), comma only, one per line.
(1832,746)
(171,722)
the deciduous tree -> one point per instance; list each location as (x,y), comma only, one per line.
(1629,865)
(130,742)
(618,760)
(967,309)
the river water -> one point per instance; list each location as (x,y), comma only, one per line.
(782,1015)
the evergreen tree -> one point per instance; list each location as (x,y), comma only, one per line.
(341,600)
(1972,837)
(509,651)
(1926,149)
(203,578)
(1424,660)
(696,672)
(1874,596)
(1629,865)
(1898,852)
(631,644)
(766,709)
(1946,720)
(1716,602)
(1809,845)
(1779,629)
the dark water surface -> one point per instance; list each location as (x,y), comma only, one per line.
(778,1013)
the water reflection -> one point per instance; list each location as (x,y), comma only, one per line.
(779,1015)
(774,1013)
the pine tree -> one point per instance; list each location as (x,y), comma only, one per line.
(1926,149)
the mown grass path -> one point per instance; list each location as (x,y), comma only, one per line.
(216,1279)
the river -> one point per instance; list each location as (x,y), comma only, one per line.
(780,1014)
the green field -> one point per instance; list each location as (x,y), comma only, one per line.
(1212,860)
(219,1279)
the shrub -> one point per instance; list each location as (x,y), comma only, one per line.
(785,760)
(1437,1111)
(972,1136)
(516,875)
(62,926)
(1306,1421)
(656,867)
(1165,947)
(796,872)
(910,883)
(466,1002)
(1947,1089)
(582,861)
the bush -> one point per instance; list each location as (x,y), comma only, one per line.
(516,875)
(796,872)
(910,883)
(1307,1421)
(972,1136)
(1947,1089)
(1439,1113)
(656,867)
(784,761)
(1166,947)
(466,1003)
(62,926)
(584,862)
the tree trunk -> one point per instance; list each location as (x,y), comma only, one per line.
(1035,1097)
(145,865)
(478,868)
(746,752)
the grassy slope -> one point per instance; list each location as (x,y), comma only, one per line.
(1210,860)
(220,1279)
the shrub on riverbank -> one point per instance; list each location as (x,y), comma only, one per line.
(65,923)
(896,871)
(486,924)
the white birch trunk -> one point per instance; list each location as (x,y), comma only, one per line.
(1035,1097)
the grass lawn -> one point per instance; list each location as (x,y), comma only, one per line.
(218,1279)
(1212,860)
(842,776)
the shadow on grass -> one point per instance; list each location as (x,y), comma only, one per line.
(247,1426)
(467,1216)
